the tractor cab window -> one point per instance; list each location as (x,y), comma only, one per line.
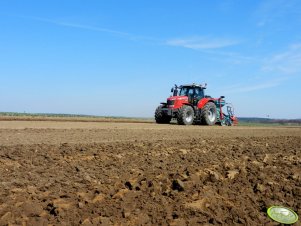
(190,93)
(199,93)
(184,91)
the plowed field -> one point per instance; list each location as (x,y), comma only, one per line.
(106,173)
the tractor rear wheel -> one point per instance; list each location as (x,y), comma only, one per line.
(209,115)
(185,115)
(160,117)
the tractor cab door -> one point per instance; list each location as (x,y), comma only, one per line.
(191,94)
(198,95)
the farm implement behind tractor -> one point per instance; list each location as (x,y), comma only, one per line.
(189,105)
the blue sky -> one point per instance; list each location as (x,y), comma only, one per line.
(120,58)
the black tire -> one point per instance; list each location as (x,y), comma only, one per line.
(160,117)
(209,115)
(185,115)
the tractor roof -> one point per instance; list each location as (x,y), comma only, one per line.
(195,85)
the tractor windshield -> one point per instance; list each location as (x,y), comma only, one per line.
(192,92)
(186,91)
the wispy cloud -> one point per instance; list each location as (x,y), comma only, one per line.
(205,43)
(254,87)
(92,28)
(80,26)
(273,71)
(213,48)
(202,42)
(274,11)
(77,25)
(287,62)
(208,45)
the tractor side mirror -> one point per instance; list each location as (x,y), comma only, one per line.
(172,90)
(222,97)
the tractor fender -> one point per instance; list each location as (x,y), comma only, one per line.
(203,102)
(189,104)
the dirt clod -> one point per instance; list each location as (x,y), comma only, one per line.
(177,185)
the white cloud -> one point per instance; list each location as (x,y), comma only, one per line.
(205,43)
(255,87)
(119,33)
(91,28)
(287,62)
(79,26)
(277,12)
(277,68)
(202,42)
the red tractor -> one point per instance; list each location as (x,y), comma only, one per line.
(189,105)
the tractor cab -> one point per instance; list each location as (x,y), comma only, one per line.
(194,92)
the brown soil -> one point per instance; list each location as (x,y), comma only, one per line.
(88,173)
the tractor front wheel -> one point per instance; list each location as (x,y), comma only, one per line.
(160,117)
(185,115)
(209,115)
